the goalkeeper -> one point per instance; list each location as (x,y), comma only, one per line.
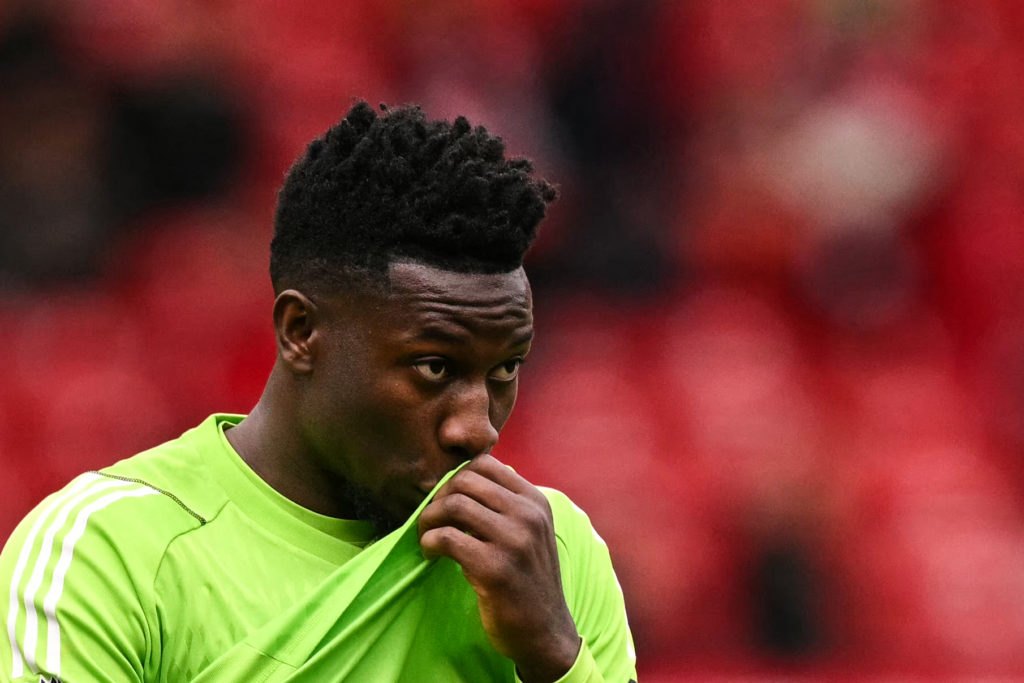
(354,526)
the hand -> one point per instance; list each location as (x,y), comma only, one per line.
(498,527)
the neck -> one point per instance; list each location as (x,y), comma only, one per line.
(270,443)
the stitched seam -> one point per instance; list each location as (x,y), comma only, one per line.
(135,480)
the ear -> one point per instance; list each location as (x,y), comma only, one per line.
(295,324)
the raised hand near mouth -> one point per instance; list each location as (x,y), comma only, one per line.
(498,527)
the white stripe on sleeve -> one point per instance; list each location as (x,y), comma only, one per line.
(18,662)
(66,554)
(31,615)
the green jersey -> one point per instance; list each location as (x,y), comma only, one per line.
(181,564)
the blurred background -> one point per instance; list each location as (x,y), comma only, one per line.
(780,302)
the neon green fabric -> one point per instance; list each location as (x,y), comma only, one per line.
(181,564)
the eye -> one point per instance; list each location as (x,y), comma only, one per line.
(507,371)
(434,369)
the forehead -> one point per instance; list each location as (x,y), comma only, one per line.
(423,298)
(413,282)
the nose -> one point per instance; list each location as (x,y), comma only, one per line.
(466,430)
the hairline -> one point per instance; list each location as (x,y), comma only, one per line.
(352,278)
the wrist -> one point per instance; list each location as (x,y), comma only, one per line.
(556,661)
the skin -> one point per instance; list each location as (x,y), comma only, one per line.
(377,394)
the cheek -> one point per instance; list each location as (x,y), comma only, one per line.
(395,411)
(502,402)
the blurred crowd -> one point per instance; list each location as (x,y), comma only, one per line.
(780,302)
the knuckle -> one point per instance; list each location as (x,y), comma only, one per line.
(545,504)
(448,536)
(538,519)
(427,519)
(457,483)
(524,543)
(440,538)
(455,505)
(541,501)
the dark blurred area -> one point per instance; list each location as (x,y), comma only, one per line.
(780,303)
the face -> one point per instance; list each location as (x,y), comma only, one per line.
(409,382)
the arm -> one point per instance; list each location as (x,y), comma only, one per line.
(500,529)
(594,597)
(70,602)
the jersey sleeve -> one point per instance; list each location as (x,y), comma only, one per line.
(594,597)
(77,579)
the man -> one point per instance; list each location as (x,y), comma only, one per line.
(354,525)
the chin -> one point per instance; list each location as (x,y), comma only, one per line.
(368,508)
(385,524)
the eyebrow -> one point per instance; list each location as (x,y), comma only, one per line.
(439,334)
(442,335)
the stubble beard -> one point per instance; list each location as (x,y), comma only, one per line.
(366,508)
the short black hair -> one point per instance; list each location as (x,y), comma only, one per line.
(376,189)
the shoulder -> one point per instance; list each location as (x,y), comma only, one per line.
(572,524)
(591,589)
(178,470)
(80,570)
(105,522)
(111,526)
(81,567)
(583,554)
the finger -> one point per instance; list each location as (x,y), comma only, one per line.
(496,471)
(491,468)
(481,489)
(463,513)
(447,541)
